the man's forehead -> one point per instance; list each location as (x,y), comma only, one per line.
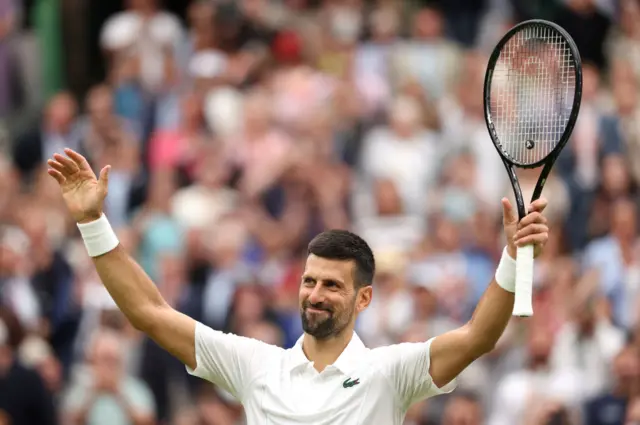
(324,268)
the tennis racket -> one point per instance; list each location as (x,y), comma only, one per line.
(532,94)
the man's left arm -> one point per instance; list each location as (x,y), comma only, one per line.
(452,352)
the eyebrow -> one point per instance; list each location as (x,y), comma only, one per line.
(306,276)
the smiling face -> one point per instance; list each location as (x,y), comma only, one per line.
(330,299)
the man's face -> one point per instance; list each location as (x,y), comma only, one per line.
(461,411)
(329,300)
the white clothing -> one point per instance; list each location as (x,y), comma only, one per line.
(281,387)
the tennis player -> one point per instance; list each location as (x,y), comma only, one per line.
(329,376)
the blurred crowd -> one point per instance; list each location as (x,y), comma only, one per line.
(237,130)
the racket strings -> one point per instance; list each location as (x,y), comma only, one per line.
(532,90)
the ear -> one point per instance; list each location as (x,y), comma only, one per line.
(364,298)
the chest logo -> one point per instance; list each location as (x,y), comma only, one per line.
(348,383)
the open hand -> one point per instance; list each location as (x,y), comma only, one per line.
(83,193)
(532,229)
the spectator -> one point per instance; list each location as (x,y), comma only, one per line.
(390,316)
(625,93)
(104,393)
(463,409)
(616,183)
(180,148)
(56,132)
(156,229)
(528,392)
(17,293)
(385,225)
(428,56)
(633,414)
(614,257)
(405,153)
(9,21)
(35,353)
(24,398)
(625,44)
(148,34)
(588,25)
(588,342)
(609,408)
(372,71)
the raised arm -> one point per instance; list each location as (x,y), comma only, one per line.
(140,301)
(452,352)
(130,287)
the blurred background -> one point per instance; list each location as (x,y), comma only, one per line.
(238,130)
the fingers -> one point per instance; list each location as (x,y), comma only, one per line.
(104,178)
(65,166)
(538,205)
(531,218)
(69,166)
(531,229)
(80,161)
(534,239)
(56,175)
(56,166)
(508,214)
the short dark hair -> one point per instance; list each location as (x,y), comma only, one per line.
(344,245)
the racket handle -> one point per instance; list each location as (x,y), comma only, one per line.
(523,305)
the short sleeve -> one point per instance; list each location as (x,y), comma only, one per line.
(229,361)
(406,365)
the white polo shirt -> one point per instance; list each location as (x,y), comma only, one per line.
(281,387)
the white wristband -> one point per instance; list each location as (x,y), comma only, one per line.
(506,272)
(98,236)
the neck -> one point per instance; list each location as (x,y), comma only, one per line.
(323,352)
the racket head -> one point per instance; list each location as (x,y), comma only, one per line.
(538,64)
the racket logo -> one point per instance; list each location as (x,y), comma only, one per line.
(529,144)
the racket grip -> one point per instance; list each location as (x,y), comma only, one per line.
(523,305)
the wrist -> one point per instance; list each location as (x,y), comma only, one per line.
(98,236)
(506,272)
(90,218)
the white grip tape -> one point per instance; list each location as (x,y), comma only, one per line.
(523,306)
(98,236)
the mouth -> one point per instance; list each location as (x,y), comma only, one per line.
(316,310)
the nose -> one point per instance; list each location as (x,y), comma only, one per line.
(317,295)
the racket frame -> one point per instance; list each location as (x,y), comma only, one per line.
(525,265)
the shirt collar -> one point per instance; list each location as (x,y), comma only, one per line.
(345,363)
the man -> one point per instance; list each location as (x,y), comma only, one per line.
(463,409)
(108,394)
(56,130)
(24,398)
(329,376)
(610,408)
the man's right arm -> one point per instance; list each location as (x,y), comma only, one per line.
(226,360)
(140,301)
(229,361)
